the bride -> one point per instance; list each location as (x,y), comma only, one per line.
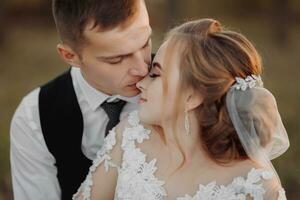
(206,128)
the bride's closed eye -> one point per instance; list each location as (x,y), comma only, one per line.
(154,73)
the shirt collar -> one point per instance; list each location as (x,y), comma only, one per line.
(95,97)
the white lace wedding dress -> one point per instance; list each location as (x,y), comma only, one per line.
(136,180)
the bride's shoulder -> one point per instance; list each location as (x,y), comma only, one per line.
(254,175)
(250,169)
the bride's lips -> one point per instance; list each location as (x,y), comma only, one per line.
(142,100)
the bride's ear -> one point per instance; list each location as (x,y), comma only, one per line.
(194,99)
(68,55)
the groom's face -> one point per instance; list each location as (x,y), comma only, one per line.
(114,61)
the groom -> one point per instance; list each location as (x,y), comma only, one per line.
(58,128)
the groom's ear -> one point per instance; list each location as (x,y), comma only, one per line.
(194,99)
(68,55)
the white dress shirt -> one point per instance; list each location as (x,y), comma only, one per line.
(32,165)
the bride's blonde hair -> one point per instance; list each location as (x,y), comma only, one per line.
(210,59)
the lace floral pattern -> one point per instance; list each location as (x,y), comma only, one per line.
(281,194)
(102,156)
(136,177)
(239,189)
(136,180)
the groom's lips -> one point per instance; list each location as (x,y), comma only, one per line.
(133,84)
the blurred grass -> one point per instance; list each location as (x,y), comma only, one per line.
(28,59)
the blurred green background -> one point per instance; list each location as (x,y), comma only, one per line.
(28,59)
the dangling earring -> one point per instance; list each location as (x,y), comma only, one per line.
(187,123)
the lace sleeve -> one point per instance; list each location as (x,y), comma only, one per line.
(102,177)
(275,194)
(273,189)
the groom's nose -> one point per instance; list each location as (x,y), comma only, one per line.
(140,84)
(140,66)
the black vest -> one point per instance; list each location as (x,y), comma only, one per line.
(62,126)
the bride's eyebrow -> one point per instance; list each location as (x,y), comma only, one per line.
(156,64)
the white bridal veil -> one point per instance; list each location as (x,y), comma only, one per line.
(255,117)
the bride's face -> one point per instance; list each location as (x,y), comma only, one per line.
(158,88)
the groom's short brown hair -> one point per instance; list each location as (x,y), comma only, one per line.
(72,16)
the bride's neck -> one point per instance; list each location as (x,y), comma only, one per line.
(179,140)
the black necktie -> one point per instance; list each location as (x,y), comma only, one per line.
(113,110)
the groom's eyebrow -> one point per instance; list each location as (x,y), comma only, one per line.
(124,55)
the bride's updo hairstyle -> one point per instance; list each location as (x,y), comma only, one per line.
(210,59)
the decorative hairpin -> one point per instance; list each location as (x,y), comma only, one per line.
(248,82)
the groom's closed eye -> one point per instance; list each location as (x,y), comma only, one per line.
(114,60)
